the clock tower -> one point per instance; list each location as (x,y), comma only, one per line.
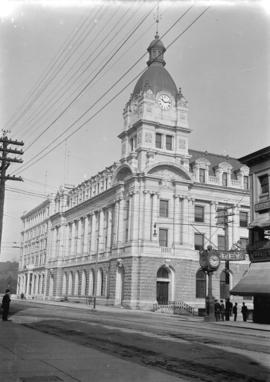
(155,117)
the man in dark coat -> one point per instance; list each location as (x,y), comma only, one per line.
(235,312)
(5,305)
(244,312)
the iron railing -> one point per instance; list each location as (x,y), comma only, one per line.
(174,307)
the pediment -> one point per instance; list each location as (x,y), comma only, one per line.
(169,172)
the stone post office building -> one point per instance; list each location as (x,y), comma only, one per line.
(130,235)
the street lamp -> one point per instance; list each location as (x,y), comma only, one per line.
(209,262)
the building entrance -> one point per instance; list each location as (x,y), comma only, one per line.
(162,292)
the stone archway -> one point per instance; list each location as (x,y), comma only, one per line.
(164,285)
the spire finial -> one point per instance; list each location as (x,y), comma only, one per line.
(157,18)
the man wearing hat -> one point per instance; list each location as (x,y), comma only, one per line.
(5,305)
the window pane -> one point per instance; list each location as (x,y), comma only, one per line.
(163,237)
(264,184)
(199,214)
(202,175)
(158,140)
(168,142)
(225,179)
(198,241)
(200,284)
(221,242)
(164,208)
(243,219)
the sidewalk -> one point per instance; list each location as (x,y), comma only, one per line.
(28,355)
(239,323)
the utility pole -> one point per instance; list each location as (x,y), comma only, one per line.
(5,160)
(225,223)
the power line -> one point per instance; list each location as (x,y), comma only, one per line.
(47,74)
(30,163)
(49,101)
(89,82)
(77,75)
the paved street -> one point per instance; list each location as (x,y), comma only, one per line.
(156,346)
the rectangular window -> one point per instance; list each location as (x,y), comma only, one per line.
(246,183)
(221,242)
(243,219)
(199,214)
(164,208)
(264,182)
(225,179)
(163,237)
(169,142)
(198,241)
(220,216)
(202,175)
(158,140)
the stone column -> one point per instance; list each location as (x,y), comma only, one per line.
(176,221)
(115,222)
(109,229)
(191,221)
(73,240)
(79,230)
(101,231)
(121,221)
(147,216)
(135,216)
(185,221)
(85,235)
(93,234)
(154,214)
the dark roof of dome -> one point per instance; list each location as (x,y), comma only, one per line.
(156,78)
(156,43)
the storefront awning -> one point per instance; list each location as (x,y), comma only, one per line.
(256,281)
(260,223)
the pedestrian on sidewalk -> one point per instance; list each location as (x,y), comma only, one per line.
(222,310)
(244,311)
(228,309)
(217,310)
(5,305)
(235,312)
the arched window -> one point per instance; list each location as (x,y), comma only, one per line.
(162,273)
(200,284)
(100,283)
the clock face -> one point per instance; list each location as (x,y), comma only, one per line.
(164,102)
(214,261)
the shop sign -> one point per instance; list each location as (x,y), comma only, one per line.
(232,255)
(262,206)
(259,255)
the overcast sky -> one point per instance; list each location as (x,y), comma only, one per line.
(51,53)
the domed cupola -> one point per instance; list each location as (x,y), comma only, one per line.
(156,51)
(156,77)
